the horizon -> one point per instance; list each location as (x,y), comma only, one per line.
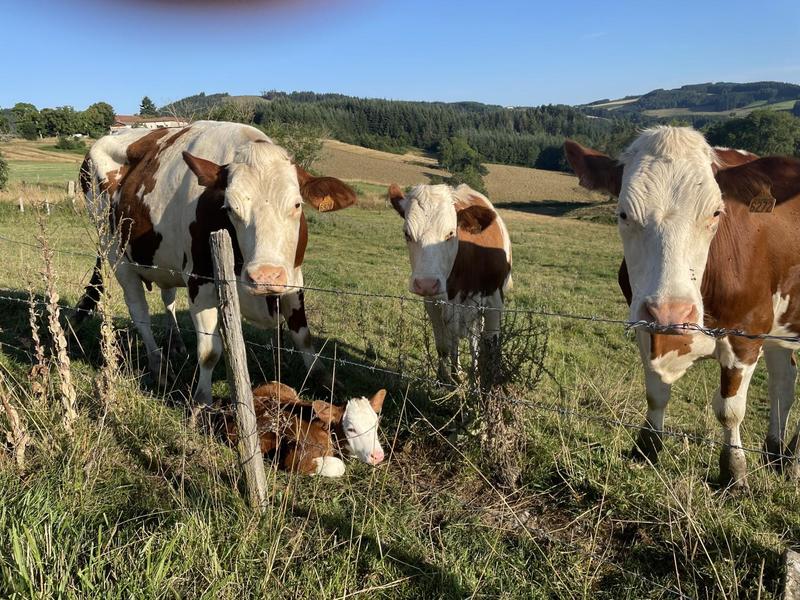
(511,55)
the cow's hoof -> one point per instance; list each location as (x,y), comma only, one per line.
(647,446)
(733,470)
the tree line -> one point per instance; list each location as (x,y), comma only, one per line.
(27,121)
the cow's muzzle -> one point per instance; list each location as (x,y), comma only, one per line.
(424,286)
(670,314)
(267,279)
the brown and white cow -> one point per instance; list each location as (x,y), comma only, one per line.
(695,253)
(306,437)
(166,190)
(460,254)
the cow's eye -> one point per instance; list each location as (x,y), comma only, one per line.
(408,236)
(623,216)
(297,205)
(450,235)
(717,213)
(351,430)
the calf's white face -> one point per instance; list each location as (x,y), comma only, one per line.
(668,212)
(432,222)
(357,423)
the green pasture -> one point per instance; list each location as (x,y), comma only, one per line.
(138,505)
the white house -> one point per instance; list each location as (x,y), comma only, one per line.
(122,122)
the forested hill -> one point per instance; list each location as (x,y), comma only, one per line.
(703,98)
(529,136)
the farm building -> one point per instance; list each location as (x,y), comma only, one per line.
(122,122)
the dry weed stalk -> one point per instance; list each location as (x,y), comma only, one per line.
(17,436)
(68,393)
(39,375)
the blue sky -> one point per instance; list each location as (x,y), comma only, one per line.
(57,52)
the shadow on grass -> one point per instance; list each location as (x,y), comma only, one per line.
(548,208)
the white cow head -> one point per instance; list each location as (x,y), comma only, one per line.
(433,216)
(669,210)
(357,423)
(261,193)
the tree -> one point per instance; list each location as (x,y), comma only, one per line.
(764,132)
(796,109)
(27,120)
(60,121)
(302,142)
(3,172)
(463,162)
(97,119)
(147,108)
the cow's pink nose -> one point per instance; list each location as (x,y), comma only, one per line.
(426,286)
(267,279)
(672,312)
(376,457)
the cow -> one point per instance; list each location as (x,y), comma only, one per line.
(165,191)
(306,437)
(460,254)
(697,252)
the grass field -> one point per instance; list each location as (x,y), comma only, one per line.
(136,504)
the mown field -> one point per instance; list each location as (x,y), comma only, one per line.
(137,504)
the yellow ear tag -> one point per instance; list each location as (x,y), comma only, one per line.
(326,204)
(762,203)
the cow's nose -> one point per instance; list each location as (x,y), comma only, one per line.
(267,279)
(376,457)
(426,286)
(671,312)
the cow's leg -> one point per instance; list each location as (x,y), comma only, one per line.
(782,369)
(175,343)
(649,442)
(729,405)
(441,339)
(293,311)
(209,343)
(133,291)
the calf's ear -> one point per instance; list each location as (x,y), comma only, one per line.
(398,199)
(324,193)
(327,412)
(595,170)
(475,218)
(376,402)
(208,173)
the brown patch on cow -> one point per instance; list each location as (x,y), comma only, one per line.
(210,217)
(730,380)
(662,344)
(132,182)
(297,320)
(396,196)
(624,282)
(595,170)
(324,193)
(302,242)
(481,264)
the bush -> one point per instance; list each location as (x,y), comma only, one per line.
(463,162)
(70,143)
(3,172)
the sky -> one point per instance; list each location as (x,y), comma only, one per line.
(513,53)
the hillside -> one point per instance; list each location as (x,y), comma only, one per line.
(703,99)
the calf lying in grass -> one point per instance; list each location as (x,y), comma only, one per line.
(305,437)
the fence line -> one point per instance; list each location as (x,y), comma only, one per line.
(609,422)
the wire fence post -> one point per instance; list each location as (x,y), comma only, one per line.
(248,444)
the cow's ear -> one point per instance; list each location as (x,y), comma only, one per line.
(327,412)
(595,170)
(398,199)
(324,193)
(376,402)
(475,219)
(208,173)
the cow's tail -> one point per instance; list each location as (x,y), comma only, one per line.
(91,295)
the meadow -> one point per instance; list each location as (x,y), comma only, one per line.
(135,503)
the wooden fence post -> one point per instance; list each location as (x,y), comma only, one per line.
(238,378)
(791,579)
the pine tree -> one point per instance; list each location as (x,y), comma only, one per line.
(147,108)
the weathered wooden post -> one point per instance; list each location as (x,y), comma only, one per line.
(791,579)
(238,378)
(21,205)
(71,190)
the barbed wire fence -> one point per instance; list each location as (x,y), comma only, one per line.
(387,336)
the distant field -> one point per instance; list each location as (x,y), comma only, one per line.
(737,112)
(505,183)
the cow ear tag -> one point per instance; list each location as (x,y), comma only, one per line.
(326,204)
(763,202)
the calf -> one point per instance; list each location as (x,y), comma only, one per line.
(460,253)
(305,437)
(698,252)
